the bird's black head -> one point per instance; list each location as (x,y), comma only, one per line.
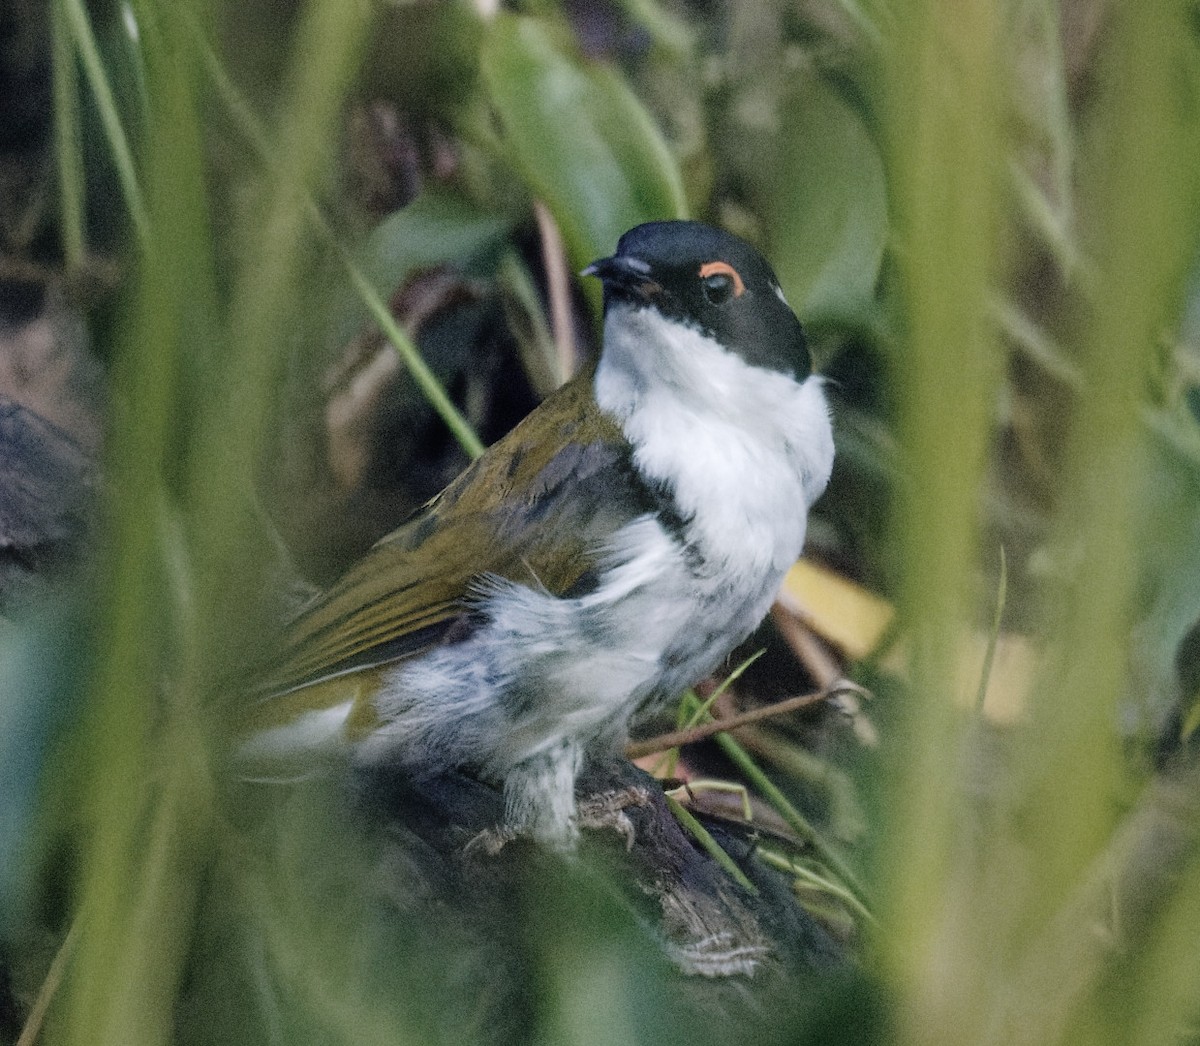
(711,280)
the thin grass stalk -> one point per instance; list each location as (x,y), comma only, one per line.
(709,844)
(1083,974)
(946,153)
(1166,1007)
(149,803)
(985,673)
(76,17)
(426,380)
(67,138)
(31,1030)
(767,788)
(782,805)
(133,636)
(811,879)
(1047,199)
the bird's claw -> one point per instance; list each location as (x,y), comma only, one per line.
(490,841)
(603,810)
(607,810)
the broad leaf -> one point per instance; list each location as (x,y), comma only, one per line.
(434,229)
(825,205)
(578,137)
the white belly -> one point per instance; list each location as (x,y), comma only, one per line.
(545,671)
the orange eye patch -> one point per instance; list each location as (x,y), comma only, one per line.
(720,268)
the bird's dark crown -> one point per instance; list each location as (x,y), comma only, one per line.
(713,281)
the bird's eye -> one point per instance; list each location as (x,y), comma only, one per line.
(718,289)
(720,281)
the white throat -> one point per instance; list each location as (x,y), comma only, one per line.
(744,450)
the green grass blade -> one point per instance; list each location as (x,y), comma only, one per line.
(80,28)
(149,805)
(67,138)
(985,673)
(784,807)
(1142,190)
(424,377)
(710,845)
(945,140)
(701,712)
(254,132)
(262,302)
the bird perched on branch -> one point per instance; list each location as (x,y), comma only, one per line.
(607,553)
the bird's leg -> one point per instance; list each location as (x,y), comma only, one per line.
(539,799)
(539,802)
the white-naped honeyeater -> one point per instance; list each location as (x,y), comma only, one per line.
(608,552)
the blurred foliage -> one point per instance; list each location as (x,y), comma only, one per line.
(988,214)
(578,138)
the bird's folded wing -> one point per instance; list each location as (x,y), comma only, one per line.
(533,509)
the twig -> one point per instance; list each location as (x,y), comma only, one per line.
(692,734)
(54,976)
(704,708)
(666,765)
(809,650)
(558,290)
(985,674)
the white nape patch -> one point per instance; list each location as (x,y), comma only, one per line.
(779,294)
(308,734)
(745,450)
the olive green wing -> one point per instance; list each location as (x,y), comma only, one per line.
(534,508)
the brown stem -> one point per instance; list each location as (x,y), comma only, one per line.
(50,986)
(660,743)
(558,290)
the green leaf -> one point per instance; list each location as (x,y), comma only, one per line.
(1168,538)
(76,22)
(1191,721)
(578,137)
(437,228)
(825,206)
(434,229)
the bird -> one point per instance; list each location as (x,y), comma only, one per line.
(607,553)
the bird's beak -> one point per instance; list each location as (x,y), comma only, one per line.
(630,276)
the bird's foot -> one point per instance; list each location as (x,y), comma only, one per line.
(602,810)
(607,810)
(491,841)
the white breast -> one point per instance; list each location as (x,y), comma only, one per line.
(746,451)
